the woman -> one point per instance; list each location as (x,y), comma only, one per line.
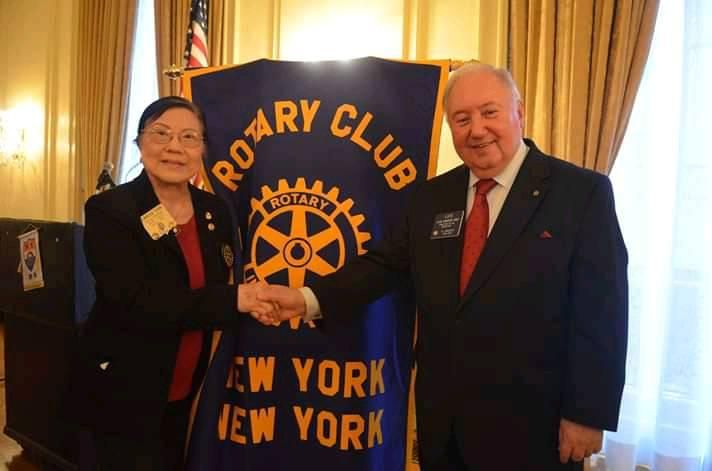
(159,250)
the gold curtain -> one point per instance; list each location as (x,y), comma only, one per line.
(171,20)
(579,64)
(172,17)
(217,20)
(104,39)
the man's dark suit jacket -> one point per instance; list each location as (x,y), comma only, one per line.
(541,331)
(143,305)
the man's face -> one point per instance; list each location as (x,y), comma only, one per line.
(486,122)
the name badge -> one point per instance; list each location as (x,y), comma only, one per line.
(447,225)
(157,222)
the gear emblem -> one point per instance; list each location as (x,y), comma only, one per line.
(301,231)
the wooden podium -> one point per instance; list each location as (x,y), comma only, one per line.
(40,335)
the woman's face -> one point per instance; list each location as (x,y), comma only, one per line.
(172,147)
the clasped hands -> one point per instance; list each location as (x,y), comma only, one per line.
(270,304)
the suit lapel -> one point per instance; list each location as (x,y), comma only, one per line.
(204,218)
(527,192)
(451,248)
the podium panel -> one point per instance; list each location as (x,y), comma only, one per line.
(40,335)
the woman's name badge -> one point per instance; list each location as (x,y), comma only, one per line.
(447,225)
(158,222)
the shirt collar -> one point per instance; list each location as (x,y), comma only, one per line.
(508,173)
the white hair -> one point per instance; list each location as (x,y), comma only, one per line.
(503,75)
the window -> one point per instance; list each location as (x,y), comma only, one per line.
(143,87)
(663,184)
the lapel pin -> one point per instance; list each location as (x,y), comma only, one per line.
(211,227)
(228,256)
(208,215)
(545,235)
(535,193)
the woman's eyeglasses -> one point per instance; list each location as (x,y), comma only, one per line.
(187,138)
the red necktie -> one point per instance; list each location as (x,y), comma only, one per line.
(475,231)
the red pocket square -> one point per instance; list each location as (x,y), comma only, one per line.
(545,235)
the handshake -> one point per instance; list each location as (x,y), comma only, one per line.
(270,304)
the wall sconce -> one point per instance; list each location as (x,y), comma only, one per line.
(12,140)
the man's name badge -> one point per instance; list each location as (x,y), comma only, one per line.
(447,225)
(158,222)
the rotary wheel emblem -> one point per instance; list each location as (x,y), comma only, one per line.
(299,231)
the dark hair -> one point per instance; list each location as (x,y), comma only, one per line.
(156,109)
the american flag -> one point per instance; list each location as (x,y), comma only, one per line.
(196,44)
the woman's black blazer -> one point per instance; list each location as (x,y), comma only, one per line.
(127,347)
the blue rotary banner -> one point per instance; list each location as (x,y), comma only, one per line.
(316,160)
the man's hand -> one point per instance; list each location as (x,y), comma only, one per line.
(578,441)
(289,301)
(247,300)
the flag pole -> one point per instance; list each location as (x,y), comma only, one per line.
(174,72)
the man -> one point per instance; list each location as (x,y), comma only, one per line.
(520,359)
